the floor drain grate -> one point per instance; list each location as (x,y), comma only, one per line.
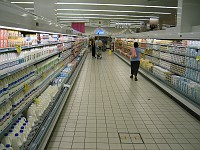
(130,138)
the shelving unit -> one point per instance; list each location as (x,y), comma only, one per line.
(37,82)
(59,101)
(168,59)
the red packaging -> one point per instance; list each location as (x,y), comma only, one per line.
(5,34)
(1,34)
(5,43)
(1,44)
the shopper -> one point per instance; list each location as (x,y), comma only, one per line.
(135,60)
(93,48)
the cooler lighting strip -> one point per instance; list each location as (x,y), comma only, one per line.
(118,5)
(116,11)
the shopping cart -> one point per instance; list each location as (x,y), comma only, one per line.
(99,52)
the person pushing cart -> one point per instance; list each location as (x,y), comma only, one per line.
(99,46)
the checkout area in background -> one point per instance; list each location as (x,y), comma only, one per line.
(105,40)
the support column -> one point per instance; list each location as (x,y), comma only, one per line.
(188,14)
(45,8)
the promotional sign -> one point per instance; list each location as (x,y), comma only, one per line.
(79,26)
(99,23)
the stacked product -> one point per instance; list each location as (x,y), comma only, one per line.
(5,115)
(9,38)
(180,70)
(192,74)
(165,56)
(144,63)
(162,73)
(177,50)
(187,86)
(46,65)
(41,103)
(13,83)
(165,64)
(178,59)
(18,133)
(12,61)
(193,63)
(3,38)
(156,53)
(20,130)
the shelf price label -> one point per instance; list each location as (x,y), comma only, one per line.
(198,58)
(18,49)
(44,75)
(37,101)
(62,64)
(26,87)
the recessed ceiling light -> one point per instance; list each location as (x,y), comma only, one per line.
(117,11)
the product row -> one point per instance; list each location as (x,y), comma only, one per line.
(171,61)
(20,131)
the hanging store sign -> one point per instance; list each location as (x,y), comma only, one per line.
(99,23)
(100,32)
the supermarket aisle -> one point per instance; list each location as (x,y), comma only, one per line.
(108,110)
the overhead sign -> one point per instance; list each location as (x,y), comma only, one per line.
(99,23)
(100,32)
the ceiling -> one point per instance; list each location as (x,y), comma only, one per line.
(116,11)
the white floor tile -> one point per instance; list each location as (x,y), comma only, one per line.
(105,101)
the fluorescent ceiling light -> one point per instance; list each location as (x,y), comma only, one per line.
(67,21)
(116,11)
(22,2)
(106,15)
(29,8)
(120,23)
(99,18)
(118,5)
(125,21)
(72,14)
(72,19)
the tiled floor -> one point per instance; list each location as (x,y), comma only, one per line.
(106,104)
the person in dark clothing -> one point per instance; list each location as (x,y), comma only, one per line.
(135,60)
(93,48)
